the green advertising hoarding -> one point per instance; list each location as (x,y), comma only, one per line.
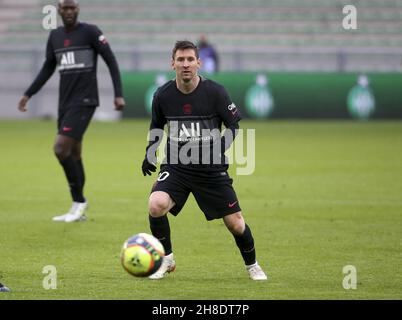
(287,95)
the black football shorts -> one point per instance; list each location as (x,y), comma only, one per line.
(74,121)
(213,191)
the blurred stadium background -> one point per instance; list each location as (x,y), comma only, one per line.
(284,42)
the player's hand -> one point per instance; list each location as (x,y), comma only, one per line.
(147,167)
(22,105)
(119,103)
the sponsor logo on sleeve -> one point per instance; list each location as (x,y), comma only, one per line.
(102,39)
(232,108)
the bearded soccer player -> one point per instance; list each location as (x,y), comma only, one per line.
(74,48)
(194,109)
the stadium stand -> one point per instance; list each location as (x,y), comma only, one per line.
(269,35)
(249,24)
(232,25)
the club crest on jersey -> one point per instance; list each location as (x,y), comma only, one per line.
(187,109)
(67,43)
(102,39)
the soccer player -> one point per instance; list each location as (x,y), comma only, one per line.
(74,49)
(189,105)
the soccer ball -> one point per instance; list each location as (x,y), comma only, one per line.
(142,255)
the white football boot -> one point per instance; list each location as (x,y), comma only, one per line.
(76,213)
(255,272)
(168,265)
(63,217)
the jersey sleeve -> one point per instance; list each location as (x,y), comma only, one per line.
(46,71)
(49,49)
(227,110)
(158,121)
(101,46)
(158,118)
(98,40)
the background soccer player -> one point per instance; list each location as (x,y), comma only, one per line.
(74,48)
(193,105)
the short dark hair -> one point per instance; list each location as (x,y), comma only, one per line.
(184,44)
(62,2)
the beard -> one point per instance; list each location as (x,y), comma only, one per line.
(187,77)
(70,23)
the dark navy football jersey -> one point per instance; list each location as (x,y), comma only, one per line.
(75,53)
(194,121)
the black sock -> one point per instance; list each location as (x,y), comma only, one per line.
(81,172)
(160,229)
(245,242)
(73,177)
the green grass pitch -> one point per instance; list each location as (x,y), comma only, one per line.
(324,195)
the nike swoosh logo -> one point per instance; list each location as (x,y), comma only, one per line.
(67,129)
(231,205)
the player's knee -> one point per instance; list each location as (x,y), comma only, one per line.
(159,203)
(76,156)
(237,229)
(235,223)
(158,206)
(61,151)
(76,152)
